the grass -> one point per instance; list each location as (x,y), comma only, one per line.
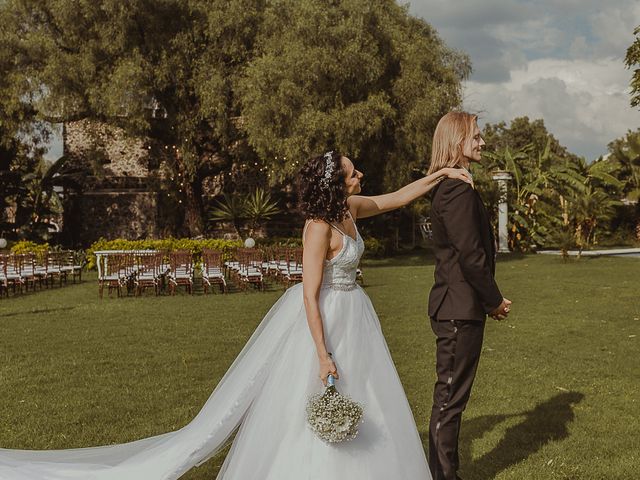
(556,395)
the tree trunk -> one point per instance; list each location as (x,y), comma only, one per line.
(192,223)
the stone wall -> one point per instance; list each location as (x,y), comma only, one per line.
(118,200)
(129,215)
(89,142)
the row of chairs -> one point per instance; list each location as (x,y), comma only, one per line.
(247,267)
(24,272)
(138,270)
(284,265)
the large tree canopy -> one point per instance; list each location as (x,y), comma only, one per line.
(269,81)
(363,76)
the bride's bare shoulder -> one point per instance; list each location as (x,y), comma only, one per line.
(316,229)
(317,226)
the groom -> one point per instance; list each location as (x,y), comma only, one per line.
(464,291)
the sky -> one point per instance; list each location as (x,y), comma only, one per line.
(559,60)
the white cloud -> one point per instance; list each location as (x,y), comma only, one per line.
(613,28)
(584,104)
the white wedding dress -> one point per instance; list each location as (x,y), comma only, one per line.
(264,393)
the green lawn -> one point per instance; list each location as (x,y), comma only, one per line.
(556,397)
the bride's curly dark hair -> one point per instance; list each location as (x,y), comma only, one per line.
(320,199)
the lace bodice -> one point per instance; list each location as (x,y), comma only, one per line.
(340,271)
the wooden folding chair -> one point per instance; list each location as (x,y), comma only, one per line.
(70,265)
(250,268)
(212,270)
(114,271)
(4,281)
(294,266)
(147,274)
(25,266)
(181,271)
(54,267)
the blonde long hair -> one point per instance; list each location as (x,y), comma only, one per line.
(448,140)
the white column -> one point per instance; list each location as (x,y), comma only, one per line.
(502,177)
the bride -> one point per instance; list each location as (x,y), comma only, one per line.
(326,325)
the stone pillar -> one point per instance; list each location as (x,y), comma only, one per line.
(502,177)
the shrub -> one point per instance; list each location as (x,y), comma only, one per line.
(374,248)
(25,246)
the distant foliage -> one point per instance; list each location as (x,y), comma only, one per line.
(374,248)
(554,195)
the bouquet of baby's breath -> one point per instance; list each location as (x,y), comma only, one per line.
(333,417)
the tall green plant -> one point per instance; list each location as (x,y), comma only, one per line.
(625,152)
(590,208)
(255,208)
(532,214)
(229,209)
(258,208)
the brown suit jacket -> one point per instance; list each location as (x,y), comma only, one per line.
(464,288)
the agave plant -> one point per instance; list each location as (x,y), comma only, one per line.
(229,209)
(256,208)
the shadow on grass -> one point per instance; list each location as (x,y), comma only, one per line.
(424,257)
(36,311)
(548,422)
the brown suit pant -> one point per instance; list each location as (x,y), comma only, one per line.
(458,347)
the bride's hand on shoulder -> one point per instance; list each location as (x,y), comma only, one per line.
(327,366)
(457,173)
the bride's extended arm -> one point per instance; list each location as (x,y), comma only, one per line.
(370,206)
(316,245)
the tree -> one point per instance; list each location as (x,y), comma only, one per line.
(551,195)
(126,63)
(592,203)
(534,193)
(521,134)
(28,199)
(361,76)
(625,152)
(247,81)
(632,60)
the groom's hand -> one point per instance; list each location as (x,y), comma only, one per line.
(502,311)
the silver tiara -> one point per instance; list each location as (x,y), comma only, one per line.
(328,169)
